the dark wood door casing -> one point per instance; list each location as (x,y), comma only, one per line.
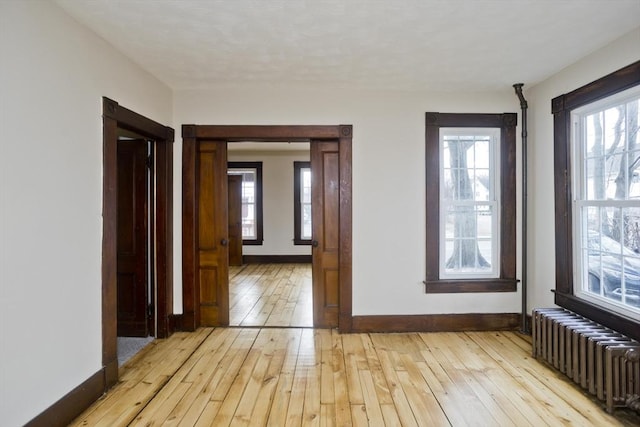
(115,117)
(194,135)
(235,219)
(132,239)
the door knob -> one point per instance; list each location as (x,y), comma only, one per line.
(224,242)
(314,243)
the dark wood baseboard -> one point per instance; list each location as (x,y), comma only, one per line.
(437,322)
(276,259)
(72,404)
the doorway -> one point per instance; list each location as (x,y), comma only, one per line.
(205,239)
(121,122)
(270,281)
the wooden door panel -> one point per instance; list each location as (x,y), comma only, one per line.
(132,238)
(235,219)
(325,204)
(213,270)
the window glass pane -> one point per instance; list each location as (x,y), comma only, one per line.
(306,222)
(305,197)
(608,221)
(468,239)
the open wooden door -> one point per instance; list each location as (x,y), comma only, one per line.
(235,219)
(325,208)
(213,238)
(132,239)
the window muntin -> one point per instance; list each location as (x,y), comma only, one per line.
(469,201)
(606,213)
(251,173)
(302,203)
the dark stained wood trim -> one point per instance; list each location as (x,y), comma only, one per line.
(561,107)
(193,133)
(117,117)
(164,235)
(109,249)
(437,322)
(610,84)
(457,286)
(345,314)
(266,133)
(72,404)
(276,259)
(563,220)
(190,304)
(507,123)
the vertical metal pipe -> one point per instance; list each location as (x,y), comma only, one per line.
(523,106)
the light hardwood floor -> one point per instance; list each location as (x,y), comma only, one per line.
(270,295)
(302,376)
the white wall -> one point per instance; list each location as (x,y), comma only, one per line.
(388,180)
(53,75)
(541,248)
(277,200)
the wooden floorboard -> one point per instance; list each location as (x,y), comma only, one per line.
(278,295)
(303,377)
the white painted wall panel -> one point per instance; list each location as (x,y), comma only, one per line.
(388,179)
(54,73)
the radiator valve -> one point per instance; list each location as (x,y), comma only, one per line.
(632,355)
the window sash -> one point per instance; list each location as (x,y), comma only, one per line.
(251,173)
(302,231)
(464,212)
(592,190)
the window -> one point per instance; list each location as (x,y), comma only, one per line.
(251,199)
(469,202)
(597,190)
(470,180)
(302,203)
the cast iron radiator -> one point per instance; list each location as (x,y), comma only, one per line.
(602,361)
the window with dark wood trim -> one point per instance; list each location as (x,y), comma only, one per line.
(301,204)
(504,279)
(252,231)
(561,107)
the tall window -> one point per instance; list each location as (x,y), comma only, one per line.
(302,203)
(597,169)
(251,199)
(469,215)
(470,180)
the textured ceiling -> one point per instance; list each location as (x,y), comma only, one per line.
(403,44)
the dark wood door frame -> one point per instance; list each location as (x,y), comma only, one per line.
(192,135)
(116,117)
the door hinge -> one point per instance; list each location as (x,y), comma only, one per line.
(149,310)
(149,161)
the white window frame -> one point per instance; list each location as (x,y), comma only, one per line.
(580,202)
(493,203)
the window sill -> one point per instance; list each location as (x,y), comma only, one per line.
(301,242)
(458,286)
(624,325)
(252,242)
